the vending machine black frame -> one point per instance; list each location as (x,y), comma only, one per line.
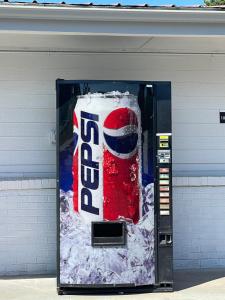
(161,95)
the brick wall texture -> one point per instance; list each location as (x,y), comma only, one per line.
(28,225)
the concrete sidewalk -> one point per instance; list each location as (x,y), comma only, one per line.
(189,285)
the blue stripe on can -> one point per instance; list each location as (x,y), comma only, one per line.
(122,144)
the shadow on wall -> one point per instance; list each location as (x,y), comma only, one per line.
(184,279)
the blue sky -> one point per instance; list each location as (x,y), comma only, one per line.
(158,2)
(177,2)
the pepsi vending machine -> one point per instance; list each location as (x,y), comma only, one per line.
(114,200)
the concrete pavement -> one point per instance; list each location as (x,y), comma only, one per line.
(189,285)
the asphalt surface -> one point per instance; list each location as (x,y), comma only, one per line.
(189,285)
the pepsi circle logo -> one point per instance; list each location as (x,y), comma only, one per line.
(121,132)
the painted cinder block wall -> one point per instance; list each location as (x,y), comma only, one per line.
(27,105)
(28,225)
(28,115)
(199,208)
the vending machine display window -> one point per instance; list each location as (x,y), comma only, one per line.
(114,200)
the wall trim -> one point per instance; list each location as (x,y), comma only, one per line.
(27,184)
(198,181)
(50,183)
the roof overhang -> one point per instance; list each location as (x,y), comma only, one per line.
(75,20)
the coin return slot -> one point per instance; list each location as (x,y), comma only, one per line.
(108,234)
(165,239)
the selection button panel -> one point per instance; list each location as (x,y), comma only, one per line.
(164,200)
(164,176)
(164,160)
(164,182)
(164,195)
(164,188)
(164,212)
(164,170)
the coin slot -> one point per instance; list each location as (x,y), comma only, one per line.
(108,234)
(164,145)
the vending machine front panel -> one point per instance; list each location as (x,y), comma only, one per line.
(114,186)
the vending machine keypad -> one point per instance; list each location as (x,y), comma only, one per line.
(164,172)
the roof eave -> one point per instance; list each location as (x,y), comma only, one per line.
(75,20)
(74,13)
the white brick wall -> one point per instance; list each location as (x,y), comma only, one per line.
(27,105)
(28,225)
(199,222)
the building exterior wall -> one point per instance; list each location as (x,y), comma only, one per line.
(198,220)
(27,105)
(27,227)
(28,224)
(28,116)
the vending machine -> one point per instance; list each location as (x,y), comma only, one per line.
(114,187)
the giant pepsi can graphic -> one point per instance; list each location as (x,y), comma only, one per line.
(107,157)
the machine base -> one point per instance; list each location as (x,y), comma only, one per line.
(73,290)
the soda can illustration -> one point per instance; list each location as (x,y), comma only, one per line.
(107,157)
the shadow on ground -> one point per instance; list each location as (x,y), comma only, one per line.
(184,279)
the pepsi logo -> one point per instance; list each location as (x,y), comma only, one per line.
(121,132)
